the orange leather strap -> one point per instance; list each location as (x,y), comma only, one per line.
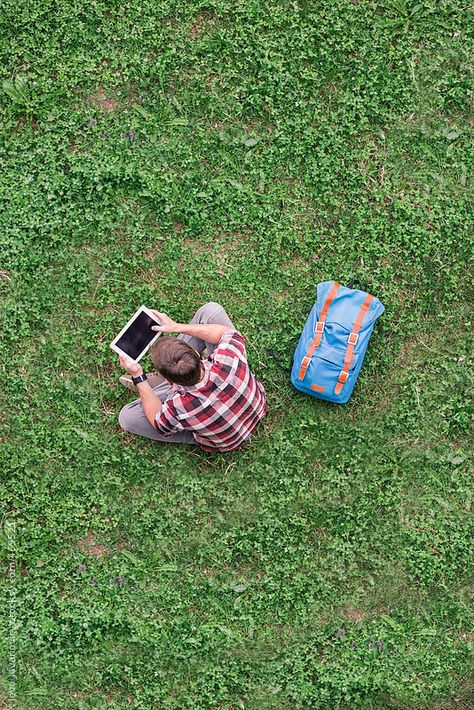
(351,343)
(319,330)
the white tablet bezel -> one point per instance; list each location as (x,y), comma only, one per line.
(116,349)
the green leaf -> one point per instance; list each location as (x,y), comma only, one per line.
(178,122)
(240,588)
(143,112)
(130,556)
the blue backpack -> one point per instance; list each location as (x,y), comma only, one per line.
(332,346)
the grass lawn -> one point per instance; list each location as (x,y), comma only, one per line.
(174,153)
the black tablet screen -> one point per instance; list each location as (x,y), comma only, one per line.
(137,336)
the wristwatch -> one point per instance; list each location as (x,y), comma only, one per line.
(139,378)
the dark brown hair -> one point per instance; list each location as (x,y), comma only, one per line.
(176,360)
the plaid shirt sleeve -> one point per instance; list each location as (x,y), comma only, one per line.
(167,421)
(230,346)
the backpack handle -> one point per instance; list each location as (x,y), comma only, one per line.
(355,282)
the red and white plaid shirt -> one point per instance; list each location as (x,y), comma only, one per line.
(223,408)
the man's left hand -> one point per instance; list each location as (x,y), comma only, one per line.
(133,368)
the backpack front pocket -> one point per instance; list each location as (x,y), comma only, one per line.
(324,369)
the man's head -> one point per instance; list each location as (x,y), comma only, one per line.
(176,360)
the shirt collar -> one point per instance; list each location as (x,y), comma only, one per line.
(202,383)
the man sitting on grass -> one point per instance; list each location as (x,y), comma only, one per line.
(215,402)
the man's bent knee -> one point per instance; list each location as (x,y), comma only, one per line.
(125,418)
(209,309)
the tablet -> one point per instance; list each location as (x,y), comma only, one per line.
(137,336)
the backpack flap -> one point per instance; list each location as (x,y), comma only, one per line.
(345,306)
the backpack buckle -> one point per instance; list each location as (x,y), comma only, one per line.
(319,327)
(343,376)
(353,338)
(305,361)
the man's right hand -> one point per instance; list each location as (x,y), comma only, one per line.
(166,324)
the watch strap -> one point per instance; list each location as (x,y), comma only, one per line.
(139,378)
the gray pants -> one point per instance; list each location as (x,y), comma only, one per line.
(132,417)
